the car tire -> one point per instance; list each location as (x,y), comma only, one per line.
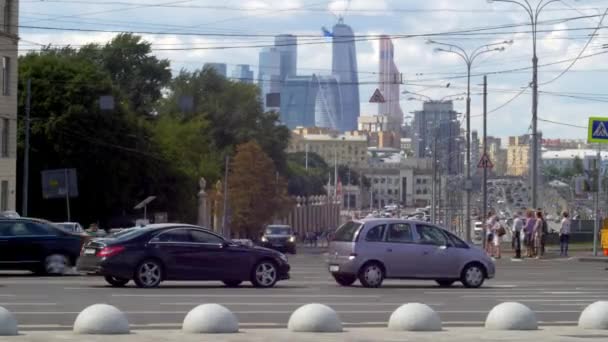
(56,264)
(371,275)
(345,280)
(264,274)
(445,282)
(232,283)
(116,281)
(473,276)
(148,274)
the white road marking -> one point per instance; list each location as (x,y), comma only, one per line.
(300,303)
(28,304)
(282,312)
(236,295)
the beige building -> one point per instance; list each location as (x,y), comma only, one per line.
(518,156)
(498,155)
(348,149)
(8,103)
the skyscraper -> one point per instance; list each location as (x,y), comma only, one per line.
(287,45)
(344,67)
(220,68)
(242,73)
(269,76)
(389,83)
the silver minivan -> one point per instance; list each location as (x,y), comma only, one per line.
(372,250)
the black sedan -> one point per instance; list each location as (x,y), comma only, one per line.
(38,246)
(155,253)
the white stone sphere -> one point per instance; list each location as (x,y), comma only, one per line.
(210,319)
(511,316)
(415,317)
(8,323)
(101,319)
(595,316)
(315,318)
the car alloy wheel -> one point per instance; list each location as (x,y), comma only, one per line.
(148,274)
(116,281)
(371,275)
(473,276)
(265,274)
(56,264)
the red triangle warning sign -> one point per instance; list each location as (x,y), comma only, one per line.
(377,97)
(485,163)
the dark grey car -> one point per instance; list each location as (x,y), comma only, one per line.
(372,250)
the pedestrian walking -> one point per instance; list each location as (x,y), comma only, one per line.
(539,235)
(517,231)
(497,233)
(491,220)
(564,234)
(529,233)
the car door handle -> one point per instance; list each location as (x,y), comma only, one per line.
(425,253)
(389,250)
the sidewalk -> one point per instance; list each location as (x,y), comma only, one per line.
(563,334)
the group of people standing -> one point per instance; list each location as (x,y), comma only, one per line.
(530,231)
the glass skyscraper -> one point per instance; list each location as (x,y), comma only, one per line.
(269,75)
(242,73)
(220,68)
(344,67)
(287,45)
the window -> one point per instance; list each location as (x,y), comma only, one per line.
(6,125)
(348,232)
(400,232)
(389,191)
(175,235)
(204,237)
(29,229)
(456,241)
(418,181)
(6,15)
(5,76)
(4,196)
(375,234)
(431,235)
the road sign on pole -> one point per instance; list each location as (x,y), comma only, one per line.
(377,97)
(485,162)
(598,130)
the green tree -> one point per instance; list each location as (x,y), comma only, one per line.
(139,75)
(256,194)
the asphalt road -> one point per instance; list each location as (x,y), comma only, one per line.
(557,290)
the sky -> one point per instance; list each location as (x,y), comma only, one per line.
(571,41)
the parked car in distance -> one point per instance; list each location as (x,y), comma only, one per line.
(279,237)
(375,249)
(154,253)
(38,246)
(73,227)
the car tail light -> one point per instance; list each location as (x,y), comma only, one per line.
(110,251)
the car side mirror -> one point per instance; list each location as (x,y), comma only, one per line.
(444,247)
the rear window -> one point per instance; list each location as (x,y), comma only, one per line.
(348,232)
(128,234)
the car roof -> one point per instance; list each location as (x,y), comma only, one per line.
(159,226)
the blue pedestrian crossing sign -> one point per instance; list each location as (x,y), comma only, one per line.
(598,130)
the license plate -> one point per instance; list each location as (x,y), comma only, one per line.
(334,268)
(89,251)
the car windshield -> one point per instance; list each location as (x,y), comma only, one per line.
(128,234)
(278,231)
(348,232)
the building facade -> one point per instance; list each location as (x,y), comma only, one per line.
(518,156)
(564,159)
(269,78)
(8,103)
(389,80)
(344,67)
(220,68)
(345,149)
(242,73)
(287,45)
(436,128)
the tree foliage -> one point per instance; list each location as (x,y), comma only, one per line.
(256,193)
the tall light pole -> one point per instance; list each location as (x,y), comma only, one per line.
(469,58)
(534,13)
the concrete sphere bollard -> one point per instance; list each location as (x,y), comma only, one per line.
(210,319)
(415,317)
(101,319)
(315,318)
(511,316)
(595,316)
(8,323)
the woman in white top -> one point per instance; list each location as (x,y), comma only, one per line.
(497,232)
(564,234)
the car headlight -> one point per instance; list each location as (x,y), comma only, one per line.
(283,257)
(264,239)
(292,239)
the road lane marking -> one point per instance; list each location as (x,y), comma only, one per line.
(233,295)
(28,304)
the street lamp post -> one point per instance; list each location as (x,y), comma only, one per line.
(469,58)
(534,13)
